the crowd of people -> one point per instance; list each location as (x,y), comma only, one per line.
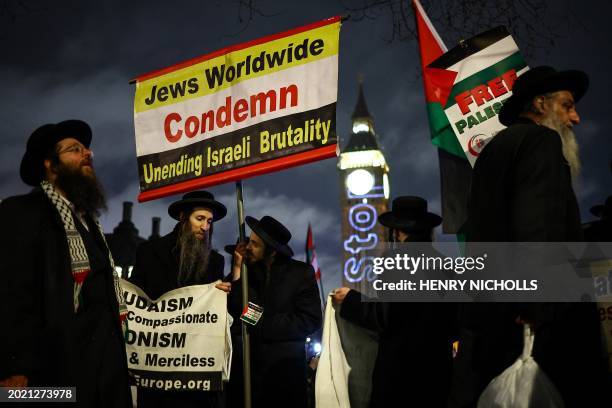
(64,308)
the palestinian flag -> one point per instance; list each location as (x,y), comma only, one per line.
(455,171)
(468,86)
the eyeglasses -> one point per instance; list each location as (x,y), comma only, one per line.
(77,148)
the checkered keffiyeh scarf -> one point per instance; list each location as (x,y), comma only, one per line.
(79,261)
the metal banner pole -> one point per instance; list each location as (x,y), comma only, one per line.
(246,349)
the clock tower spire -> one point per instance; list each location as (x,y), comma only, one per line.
(364,194)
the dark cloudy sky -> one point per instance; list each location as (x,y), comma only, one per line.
(73,59)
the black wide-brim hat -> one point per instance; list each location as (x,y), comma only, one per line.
(272,232)
(409,213)
(194,199)
(538,81)
(602,209)
(42,140)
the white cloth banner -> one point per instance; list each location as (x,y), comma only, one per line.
(346,349)
(180,341)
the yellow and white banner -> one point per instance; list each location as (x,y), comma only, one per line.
(245,110)
(180,341)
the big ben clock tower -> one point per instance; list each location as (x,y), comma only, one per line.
(364,194)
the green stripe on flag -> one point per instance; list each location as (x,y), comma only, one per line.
(515,61)
(443,135)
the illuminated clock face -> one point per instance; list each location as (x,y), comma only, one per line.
(360,181)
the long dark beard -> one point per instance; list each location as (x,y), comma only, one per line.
(83,191)
(194,256)
(568,142)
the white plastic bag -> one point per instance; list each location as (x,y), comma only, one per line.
(331,382)
(522,385)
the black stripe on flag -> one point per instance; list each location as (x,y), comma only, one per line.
(469,47)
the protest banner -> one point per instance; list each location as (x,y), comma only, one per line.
(180,341)
(242,111)
(466,88)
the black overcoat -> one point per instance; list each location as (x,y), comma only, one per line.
(155,272)
(522,192)
(414,360)
(42,337)
(292,311)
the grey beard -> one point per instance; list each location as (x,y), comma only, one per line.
(570,148)
(194,257)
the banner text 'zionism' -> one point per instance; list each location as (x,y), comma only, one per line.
(257,102)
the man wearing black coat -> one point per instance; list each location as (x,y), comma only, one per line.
(181,258)
(287,291)
(414,360)
(522,192)
(60,298)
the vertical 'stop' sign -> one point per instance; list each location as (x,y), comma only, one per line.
(469,86)
(244,110)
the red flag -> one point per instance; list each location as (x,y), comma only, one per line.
(311,256)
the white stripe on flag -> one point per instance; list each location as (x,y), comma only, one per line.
(425,18)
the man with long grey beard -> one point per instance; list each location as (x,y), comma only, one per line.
(522,192)
(63,309)
(181,258)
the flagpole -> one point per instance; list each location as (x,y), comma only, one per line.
(246,349)
(322,293)
(309,257)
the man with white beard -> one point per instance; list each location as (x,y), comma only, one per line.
(522,180)
(522,192)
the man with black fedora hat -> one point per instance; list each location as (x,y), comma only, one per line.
(287,292)
(64,310)
(522,192)
(181,258)
(522,180)
(412,338)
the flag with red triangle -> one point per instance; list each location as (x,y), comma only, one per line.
(465,88)
(437,83)
(455,171)
(311,256)
(311,259)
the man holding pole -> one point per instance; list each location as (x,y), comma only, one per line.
(284,308)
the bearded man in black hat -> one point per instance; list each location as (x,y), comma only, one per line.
(522,192)
(181,258)
(63,307)
(286,289)
(415,339)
